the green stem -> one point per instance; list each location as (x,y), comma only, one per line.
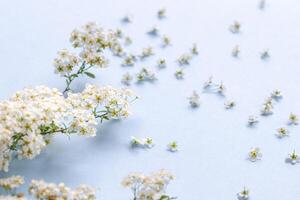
(70,78)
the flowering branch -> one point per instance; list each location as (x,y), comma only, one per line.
(91,41)
(32,116)
(149,187)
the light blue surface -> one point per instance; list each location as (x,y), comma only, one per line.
(211,163)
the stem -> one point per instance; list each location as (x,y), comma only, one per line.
(70,78)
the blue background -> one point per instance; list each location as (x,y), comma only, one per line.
(214,142)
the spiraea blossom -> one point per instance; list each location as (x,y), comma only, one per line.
(90,41)
(31,116)
(149,187)
(48,191)
(9,185)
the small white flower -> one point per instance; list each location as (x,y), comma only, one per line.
(143,143)
(119,33)
(179,74)
(252,120)
(161,13)
(146,75)
(282,132)
(221,88)
(126,79)
(235,27)
(166,41)
(267,108)
(293,119)
(129,60)
(276,94)
(254,154)
(230,104)
(136,141)
(208,83)
(146,52)
(173,146)
(149,142)
(127,41)
(194,99)
(293,158)
(194,49)
(161,63)
(235,51)
(243,195)
(184,59)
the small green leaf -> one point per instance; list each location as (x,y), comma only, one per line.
(89,74)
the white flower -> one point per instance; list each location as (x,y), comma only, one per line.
(126,79)
(173,146)
(235,27)
(127,40)
(146,75)
(209,83)
(254,154)
(11,183)
(161,13)
(129,60)
(32,116)
(293,158)
(43,190)
(194,99)
(236,51)
(267,108)
(276,94)
(149,187)
(144,142)
(184,59)
(194,49)
(282,132)
(293,119)
(146,52)
(229,104)
(243,195)
(161,63)
(210,86)
(166,41)
(179,74)
(91,40)
(252,120)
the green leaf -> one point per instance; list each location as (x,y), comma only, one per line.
(89,74)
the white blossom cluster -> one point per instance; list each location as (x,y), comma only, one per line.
(11,183)
(149,187)
(31,116)
(50,191)
(91,40)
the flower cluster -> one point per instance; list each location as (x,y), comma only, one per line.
(92,40)
(194,99)
(149,187)
(11,183)
(48,191)
(31,116)
(210,86)
(143,142)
